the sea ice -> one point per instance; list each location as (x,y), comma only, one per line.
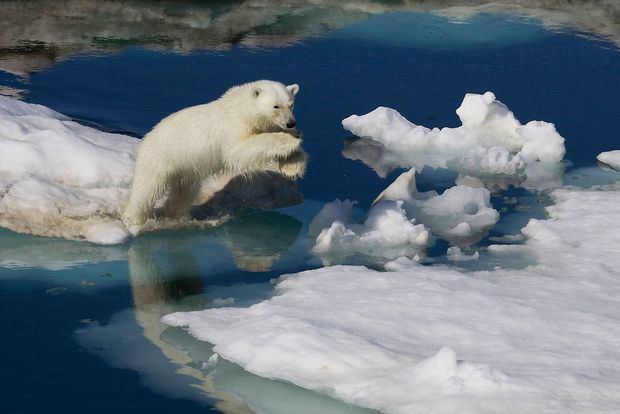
(425,339)
(461,215)
(490,143)
(611,158)
(387,232)
(456,255)
(59,178)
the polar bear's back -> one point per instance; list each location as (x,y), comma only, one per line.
(206,139)
(192,137)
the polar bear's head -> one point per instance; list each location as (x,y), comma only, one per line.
(273,102)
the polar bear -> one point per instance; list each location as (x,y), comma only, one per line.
(247,130)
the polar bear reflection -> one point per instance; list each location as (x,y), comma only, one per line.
(157,291)
(167,276)
(256,239)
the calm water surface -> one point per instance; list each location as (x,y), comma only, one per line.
(80,323)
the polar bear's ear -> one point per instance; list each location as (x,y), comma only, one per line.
(294,88)
(256,91)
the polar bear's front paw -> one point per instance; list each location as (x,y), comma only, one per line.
(293,166)
(287,144)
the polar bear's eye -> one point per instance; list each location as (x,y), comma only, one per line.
(276,107)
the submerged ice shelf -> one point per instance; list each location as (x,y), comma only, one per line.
(429,338)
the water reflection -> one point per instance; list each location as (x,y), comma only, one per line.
(18,251)
(36,34)
(164,278)
(536,176)
(251,241)
(258,238)
(166,275)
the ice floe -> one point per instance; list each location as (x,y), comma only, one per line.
(431,339)
(610,158)
(455,254)
(461,214)
(491,144)
(59,178)
(400,220)
(386,232)
(167,275)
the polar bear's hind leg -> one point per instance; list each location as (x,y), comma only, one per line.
(146,190)
(182,194)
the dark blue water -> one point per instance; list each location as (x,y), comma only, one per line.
(79,324)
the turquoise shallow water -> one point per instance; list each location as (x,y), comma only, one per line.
(80,323)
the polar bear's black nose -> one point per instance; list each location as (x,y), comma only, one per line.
(291,124)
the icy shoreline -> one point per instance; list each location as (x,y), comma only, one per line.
(428,338)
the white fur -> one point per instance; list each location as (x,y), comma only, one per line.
(240,133)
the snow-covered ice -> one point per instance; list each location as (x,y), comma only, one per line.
(59,178)
(387,232)
(610,158)
(432,339)
(486,123)
(455,254)
(400,220)
(461,214)
(490,143)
